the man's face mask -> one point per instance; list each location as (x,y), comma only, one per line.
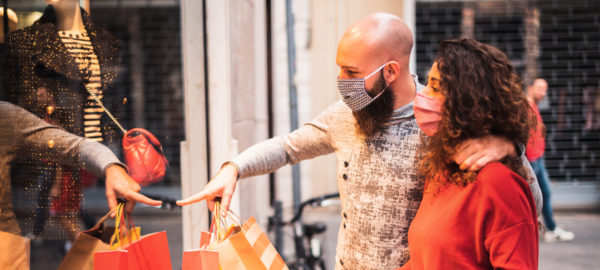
(354,93)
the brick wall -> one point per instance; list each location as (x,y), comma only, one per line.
(569,59)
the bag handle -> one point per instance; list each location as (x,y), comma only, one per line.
(103,219)
(222,229)
(122,227)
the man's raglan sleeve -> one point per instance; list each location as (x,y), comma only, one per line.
(309,141)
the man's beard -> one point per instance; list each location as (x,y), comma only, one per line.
(371,118)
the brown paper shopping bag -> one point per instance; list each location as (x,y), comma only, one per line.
(14,253)
(81,254)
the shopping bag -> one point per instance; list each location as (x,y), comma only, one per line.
(236,253)
(262,245)
(202,258)
(243,247)
(151,252)
(81,254)
(148,252)
(15,252)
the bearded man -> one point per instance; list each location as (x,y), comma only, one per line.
(376,139)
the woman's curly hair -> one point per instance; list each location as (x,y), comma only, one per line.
(484,96)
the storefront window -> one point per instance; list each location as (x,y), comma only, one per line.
(58,55)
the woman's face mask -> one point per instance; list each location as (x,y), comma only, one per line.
(428,112)
(429,103)
(354,93)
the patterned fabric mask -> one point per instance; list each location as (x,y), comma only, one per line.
(428,112)
(354,92)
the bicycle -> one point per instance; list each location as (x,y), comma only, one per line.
(304,234)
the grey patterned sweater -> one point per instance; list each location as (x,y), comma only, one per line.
(376,176)
(22,133)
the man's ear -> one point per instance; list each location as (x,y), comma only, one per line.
(391,72)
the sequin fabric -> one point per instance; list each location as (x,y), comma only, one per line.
(41,72)
(42,76)
(23,134)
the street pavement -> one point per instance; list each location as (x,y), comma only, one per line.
(581,254)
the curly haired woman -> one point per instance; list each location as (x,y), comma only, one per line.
(472,220)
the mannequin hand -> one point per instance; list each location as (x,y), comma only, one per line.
(474,154)
(222,185)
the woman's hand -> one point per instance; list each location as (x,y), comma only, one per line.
(120,184)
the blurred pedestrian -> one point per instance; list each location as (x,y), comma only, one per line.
(535,154)
(473,220)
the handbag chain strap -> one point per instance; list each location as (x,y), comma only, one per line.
(105,110)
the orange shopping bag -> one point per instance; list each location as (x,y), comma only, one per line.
(148,252)
(244,247)
(261,244)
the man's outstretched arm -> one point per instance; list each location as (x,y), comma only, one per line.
(309,141)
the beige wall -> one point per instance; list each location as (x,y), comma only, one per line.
(329,20)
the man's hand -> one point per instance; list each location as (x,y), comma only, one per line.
(474,154)
(222,185)
(120,184)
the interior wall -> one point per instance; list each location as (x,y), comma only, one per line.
(328,21)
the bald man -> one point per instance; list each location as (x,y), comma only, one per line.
(376,139)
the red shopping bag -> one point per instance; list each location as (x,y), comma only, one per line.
(149,252)
(202,258)
(114,259)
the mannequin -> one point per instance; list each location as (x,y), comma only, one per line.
(68,15)
(12,22)
(51,64)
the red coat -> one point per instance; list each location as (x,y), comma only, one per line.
(488,224)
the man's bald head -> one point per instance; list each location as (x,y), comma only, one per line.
(381,35)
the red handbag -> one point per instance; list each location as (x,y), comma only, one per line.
(143,153)
(144,156)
